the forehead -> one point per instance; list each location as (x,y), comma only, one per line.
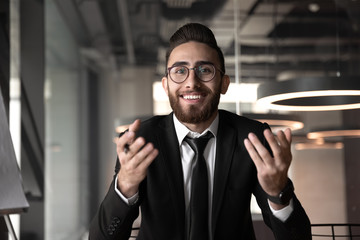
(193,52)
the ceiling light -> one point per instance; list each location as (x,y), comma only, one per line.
(311,94)
(316,146)
(278,121)
(314,7)
(343,132)
(303,143)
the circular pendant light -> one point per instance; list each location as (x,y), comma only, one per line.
(318,146)
(336,132)
(302,142)
(278,121)
(311,94)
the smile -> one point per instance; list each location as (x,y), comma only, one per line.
(192,97)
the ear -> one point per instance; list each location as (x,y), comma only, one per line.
(225,82)
(164,82)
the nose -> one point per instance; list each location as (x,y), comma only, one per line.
(192,80)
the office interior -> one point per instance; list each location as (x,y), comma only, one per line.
(74,73)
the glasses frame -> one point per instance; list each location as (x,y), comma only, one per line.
(193,68)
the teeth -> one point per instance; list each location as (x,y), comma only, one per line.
(192,97)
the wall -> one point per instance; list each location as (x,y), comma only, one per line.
(319,174)
(127,95)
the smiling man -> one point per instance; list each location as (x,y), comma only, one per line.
(192,172)
(194,102)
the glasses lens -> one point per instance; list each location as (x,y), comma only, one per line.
(205,72)
(178,73)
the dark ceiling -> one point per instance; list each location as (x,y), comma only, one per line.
(277,39)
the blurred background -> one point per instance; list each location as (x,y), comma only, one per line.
(74,73)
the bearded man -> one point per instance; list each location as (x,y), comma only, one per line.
(187,193)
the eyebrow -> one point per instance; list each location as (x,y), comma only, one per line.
(183,63)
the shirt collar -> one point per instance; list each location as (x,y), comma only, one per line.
(182,131)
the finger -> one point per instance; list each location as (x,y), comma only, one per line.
(288,135)
(134,127)
(253,154)
(132,149)
(147,155)
(282,139)
(282,149)
(263,152)
(143,157)
(273,141)
(122,144)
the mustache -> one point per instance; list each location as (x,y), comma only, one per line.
(202,90)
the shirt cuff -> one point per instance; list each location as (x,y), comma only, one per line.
(283,214)
(129,201)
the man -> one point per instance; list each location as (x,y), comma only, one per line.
(155,168)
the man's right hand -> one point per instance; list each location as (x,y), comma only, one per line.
(135,156)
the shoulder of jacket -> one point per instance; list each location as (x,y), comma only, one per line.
(235,118)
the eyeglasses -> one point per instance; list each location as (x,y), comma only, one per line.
(205,72)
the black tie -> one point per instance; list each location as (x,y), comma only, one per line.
(198,216)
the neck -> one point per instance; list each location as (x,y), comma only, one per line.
(200,127)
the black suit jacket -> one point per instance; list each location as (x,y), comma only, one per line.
(161,194)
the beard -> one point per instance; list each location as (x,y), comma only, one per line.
(195,114)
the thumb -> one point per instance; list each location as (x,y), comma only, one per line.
(134,127)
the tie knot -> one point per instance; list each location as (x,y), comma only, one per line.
(199,144)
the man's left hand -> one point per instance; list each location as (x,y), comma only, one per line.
(272,171)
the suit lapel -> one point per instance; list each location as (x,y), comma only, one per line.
(226,141)
(170,157)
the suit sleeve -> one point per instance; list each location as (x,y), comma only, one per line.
(296,227)
(114,218)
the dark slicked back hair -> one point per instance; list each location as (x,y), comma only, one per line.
(198,33)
